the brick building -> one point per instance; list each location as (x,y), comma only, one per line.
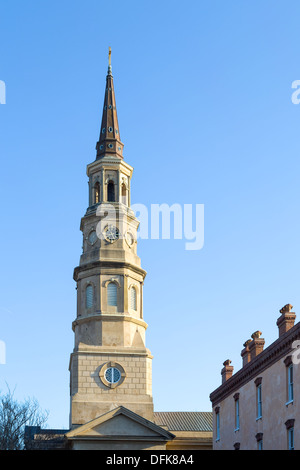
(258,407)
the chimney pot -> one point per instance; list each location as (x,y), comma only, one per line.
(287,319)
(256,334)
(227,371)
(256,346)
(246,353)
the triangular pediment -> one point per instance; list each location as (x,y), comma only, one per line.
(120,423)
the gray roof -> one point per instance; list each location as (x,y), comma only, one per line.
(184,420)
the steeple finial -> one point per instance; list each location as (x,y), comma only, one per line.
(109,61)
(109,141)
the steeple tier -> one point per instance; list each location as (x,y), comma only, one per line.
(109,141)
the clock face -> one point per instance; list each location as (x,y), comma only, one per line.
(111,233)
(92,237)
(129,238)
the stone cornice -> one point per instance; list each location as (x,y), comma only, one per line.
(109,317)
(273,353)
(111,351)
(108,264)
(109,162)
(121,212)
(88,350)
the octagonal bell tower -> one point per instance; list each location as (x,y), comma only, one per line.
(110,364)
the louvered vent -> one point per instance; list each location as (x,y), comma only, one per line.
(112,294)
(89,296)
(133,298)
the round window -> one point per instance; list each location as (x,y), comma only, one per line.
(112,375)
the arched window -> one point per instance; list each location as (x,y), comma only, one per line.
(124,194)
(97,193)
(133,298)
(112,299)
(111,192)
(89,296)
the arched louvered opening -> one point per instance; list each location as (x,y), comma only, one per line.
(133,302)
(124,194)
(111,192)
(97,193)
(89,296)
(112,298)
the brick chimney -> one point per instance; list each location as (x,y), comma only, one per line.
(287,319)
(227,371)
(246,353)
(256,346)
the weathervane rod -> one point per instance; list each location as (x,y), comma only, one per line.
(109,60)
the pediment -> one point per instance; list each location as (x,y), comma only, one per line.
(120,423)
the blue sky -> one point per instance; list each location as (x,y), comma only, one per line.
(203,93)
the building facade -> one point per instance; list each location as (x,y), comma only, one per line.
(258,407)
(111,403)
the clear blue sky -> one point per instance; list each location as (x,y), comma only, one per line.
(203,94)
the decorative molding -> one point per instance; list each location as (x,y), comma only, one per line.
(227,362)
(273,353)
(112,178)
(89,283)
(256,335)
(286,309)
(124,180)
(100,316)
(108,264)
(288,361)
(258,381)
(115,280)
(133,285)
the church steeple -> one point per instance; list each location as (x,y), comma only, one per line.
(109,141)
(110,365)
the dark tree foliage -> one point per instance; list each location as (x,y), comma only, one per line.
(14,416)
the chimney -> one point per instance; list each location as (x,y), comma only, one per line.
(256,346)
(287,319)
(246,353)
(227,371)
